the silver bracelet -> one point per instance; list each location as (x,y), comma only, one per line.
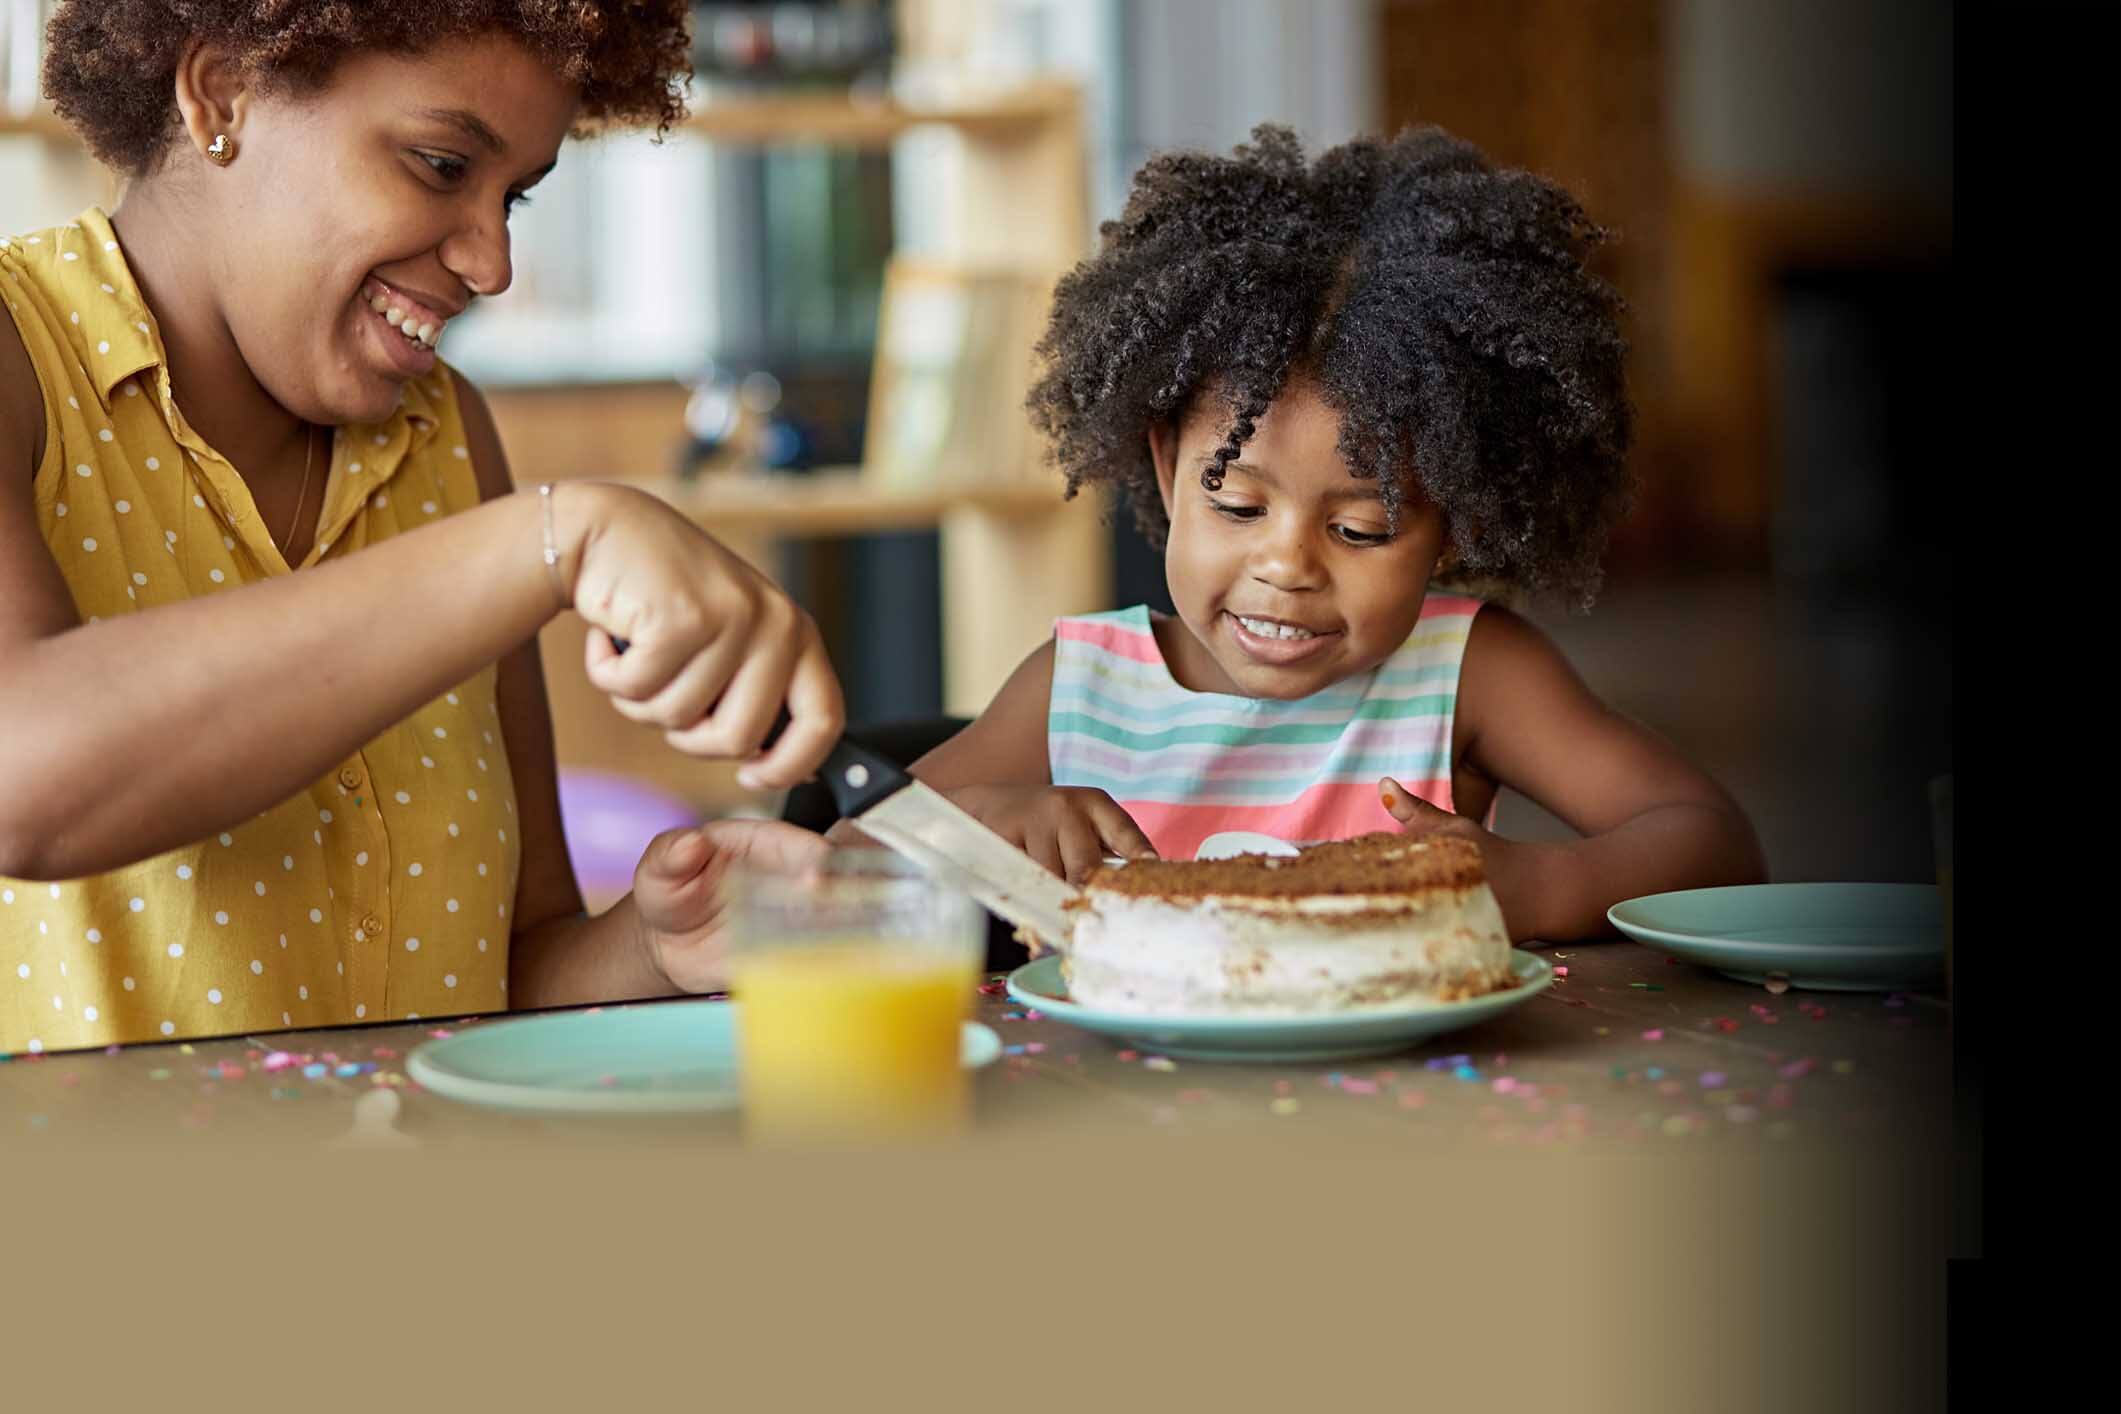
(552,547)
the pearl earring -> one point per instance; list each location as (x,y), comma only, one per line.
(221,151)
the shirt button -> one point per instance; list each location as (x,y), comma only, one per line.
(350,777)
(372,926)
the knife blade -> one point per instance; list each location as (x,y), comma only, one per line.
(921,824)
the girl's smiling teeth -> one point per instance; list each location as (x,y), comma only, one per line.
(1271,628)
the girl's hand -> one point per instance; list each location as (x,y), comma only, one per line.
(714,648)
(678,895)
(1068,829)
(1511,865)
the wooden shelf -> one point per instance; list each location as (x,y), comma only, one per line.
(39,122)
(854,121)
(784,118)
(836,501)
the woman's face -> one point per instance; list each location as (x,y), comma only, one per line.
(1289,578)
(389,191)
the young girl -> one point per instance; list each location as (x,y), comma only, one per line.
(1329,389)
(275,748)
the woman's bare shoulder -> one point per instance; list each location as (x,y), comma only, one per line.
(22,410)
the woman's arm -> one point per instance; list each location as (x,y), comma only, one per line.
(1650,819)
(102,761)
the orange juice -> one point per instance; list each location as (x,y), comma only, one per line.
(853,1037)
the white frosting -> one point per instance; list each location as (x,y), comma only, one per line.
(1285,956)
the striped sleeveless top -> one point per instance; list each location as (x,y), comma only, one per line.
(1191,765)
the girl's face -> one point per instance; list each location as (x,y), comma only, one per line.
(1288,579)
(391,187)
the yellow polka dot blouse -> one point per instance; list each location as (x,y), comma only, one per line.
(383,890)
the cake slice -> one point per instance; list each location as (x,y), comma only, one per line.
(1354,924)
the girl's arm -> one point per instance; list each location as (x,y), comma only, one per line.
(1650,820)
(998,771)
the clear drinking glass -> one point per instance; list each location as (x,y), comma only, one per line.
(853,983)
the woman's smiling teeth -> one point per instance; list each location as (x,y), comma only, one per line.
(396,318)
(415,324)
(1267,628)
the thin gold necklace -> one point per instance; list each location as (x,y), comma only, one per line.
(309,454)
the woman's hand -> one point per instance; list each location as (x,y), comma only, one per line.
(678,892)
(714,648)
(1068,829)
(1512,866)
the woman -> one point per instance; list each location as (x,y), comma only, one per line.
(276,750)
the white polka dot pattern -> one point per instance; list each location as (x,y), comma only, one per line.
(252,929)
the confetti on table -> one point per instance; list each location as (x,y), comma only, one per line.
(1285,1106)
(1796,1069)
(1159,1063)
(1726,1024)
(1778,983)
(1712,1079)
(1412,1099)
(1844,1067)
(1129,1055)
(1653,1034)
(1646,986)
(1561,972)
(1655,1072)
(1358,1087)
(1741,1114)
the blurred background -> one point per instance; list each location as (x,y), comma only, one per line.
(807,315)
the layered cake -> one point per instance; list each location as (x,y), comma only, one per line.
(1358,923)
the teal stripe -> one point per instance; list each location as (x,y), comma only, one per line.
(1088,697)
(1193,789)
(1061,721)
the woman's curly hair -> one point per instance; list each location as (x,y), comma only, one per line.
(110,65)
(1442,305)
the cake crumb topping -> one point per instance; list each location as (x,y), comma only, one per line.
(1370,865)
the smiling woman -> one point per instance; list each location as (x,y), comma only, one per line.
(278,753)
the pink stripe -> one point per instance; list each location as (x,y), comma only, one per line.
(1113,638)
(1324,812)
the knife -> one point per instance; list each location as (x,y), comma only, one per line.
(918,823)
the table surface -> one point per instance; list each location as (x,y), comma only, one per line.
(1627,1047)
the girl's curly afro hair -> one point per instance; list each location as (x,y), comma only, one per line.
(1443,306)
(110,65)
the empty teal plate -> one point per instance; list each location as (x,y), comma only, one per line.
(658,1059)
(1344,1035)
(1824,937)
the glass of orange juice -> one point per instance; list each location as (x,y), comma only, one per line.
(853,983)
